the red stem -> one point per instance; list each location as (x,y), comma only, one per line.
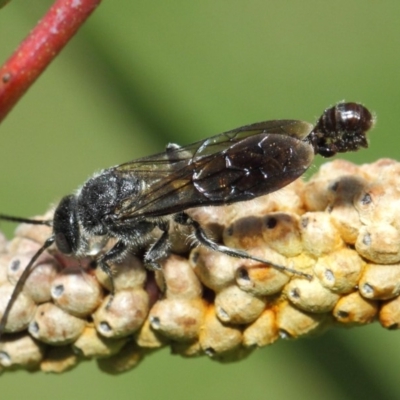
(41,46)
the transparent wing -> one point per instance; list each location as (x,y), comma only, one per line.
(233,166)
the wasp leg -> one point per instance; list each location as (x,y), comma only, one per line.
(159,249)
(184,219)
(112,255)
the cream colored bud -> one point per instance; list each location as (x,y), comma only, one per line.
(178,319)
(234,306)
(130,273)
(54,326)
(22,311)
(123,315)
(215,270)
(23,246)
(389,209)
(379,243)
(59,359)
(338,168)
(244,233)
(91,344)
(380,281)
(342,210)
(37,285)
(149,338)
(76,292)
(385,169)
(180,279)
(353,309)
(368,203)
(36,233)
(278,231)
(293,322)
(320,191)
(319,234)
(281,233)
(340,271)
(263,331)
(217,338)
(260,280)
(213,219)
(271,257)
(21,351)
(317,196)
(128,358)
(347,222)
(5,260)
(257,206)
(310,296)
(389,314)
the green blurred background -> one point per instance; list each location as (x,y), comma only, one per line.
(141,74)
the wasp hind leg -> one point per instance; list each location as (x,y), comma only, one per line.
(184,219)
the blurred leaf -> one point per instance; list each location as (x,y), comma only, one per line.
(3,3)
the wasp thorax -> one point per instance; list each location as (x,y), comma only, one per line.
(100,196)
(90,212)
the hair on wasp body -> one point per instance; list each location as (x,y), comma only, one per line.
(128,202)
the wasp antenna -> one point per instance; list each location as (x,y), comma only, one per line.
(21,281)
(26,220)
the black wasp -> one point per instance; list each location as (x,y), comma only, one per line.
(128,202)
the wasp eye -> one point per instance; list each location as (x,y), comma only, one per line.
(66,226)
(63,244)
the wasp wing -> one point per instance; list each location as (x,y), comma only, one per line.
(233,166)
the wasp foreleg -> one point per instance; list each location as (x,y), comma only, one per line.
(103,262)
(159,249)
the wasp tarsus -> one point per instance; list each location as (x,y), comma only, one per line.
(128,202)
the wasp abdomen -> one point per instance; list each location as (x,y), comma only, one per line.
(341,129)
